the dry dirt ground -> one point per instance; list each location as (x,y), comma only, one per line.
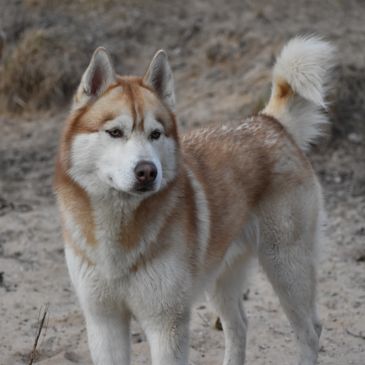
(221,52)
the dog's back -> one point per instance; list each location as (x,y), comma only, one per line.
(242,166)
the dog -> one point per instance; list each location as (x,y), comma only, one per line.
(152,220)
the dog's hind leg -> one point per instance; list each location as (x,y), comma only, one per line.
(225,297)
(287,256)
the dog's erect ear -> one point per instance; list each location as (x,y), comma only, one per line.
(159,78)
(97,77)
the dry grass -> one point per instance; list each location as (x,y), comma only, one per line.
(49,44)
(40,71)
(41,324)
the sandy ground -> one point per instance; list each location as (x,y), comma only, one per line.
(222,63)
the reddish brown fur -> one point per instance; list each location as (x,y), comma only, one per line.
(284,90)
(75,200)
(77,250)
(233,183)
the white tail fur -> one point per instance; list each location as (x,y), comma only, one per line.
(300,78)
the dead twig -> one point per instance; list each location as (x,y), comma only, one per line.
(357,335)
(40,327)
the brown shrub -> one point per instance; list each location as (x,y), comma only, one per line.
(50,42)
(40,70)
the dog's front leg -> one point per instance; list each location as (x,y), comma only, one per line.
(107,325)
(108,335)
(168,337)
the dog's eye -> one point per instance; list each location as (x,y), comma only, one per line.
(115,133)
(156,134)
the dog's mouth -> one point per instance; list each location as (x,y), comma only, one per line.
(144,188)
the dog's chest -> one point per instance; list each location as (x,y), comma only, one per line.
(121,243)
(124,275)
(111,254)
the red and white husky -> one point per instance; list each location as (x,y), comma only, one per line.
(151,220)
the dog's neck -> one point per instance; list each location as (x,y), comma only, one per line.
(129,216)
(114,215)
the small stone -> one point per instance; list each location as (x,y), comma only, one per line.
(23,208)
(337,179)
(355,138)
(357,304)
(218,324)
(72,356)
(246,294)
(360,258)
(360,231)
(137,337)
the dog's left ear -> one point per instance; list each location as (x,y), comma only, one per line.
(159,78)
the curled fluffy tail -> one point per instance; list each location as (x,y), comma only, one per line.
(300,78)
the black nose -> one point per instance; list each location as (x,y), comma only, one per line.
(145,172)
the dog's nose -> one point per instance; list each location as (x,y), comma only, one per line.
(145,172)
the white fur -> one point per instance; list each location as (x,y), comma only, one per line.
(305,64)
(282,231)
(203,216)
(159,77)
(99,160)
(96,78)
(108,292)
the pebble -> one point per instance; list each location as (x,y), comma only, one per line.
(355,138)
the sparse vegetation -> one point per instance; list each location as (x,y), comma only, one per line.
(221,53)
(40,71)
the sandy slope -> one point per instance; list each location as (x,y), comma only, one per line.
(222,72)
(34,273)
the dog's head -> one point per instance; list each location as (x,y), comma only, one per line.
(122,131)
